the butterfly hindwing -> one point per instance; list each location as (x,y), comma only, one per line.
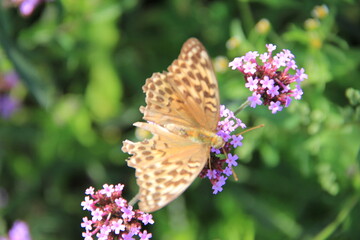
(165,165)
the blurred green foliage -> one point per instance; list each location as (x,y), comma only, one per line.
(82,64)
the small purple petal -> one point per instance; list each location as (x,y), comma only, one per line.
(231,160)
(8,105)
(27,6)
(236,63)
(273,91)
(275,107)
(267,82)
(255,100)
(251,83)
(19,231)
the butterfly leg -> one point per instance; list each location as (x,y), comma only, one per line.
(134,200)
(209,162)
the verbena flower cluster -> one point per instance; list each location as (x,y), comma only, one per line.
(19,231)
(112,216)
(269,78)
(8,104)
(222,160)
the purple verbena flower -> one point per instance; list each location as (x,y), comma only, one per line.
(145,235)
(87,204)
(236,63)
(8,105)
(252,84)
(97,215)
(236,141)
(275,107)
(270,47)
(87,224)
(255,100)
(273,91)
(267,82)
(231,160)
(87,235)
(249,67)
(89,191)
(10,80)
(118,226)
(19,231)
(147,218)
(217,187)
(107,189)
(251,56)
(228,171)
(128,213)
(297,93)
(269,79)
(27,7)
(221,161)
(127,236)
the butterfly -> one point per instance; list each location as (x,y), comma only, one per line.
(182,113)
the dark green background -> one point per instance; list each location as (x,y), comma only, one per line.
(82,65)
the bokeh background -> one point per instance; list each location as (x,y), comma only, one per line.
(70,84)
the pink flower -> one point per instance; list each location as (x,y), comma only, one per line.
(87,224)
(89,191)
(145,235)
(87,204)
(117,226)
(97,215)
(112,216)
(127,212)
(236,63)
(252,84)
(107,190)
(147,218)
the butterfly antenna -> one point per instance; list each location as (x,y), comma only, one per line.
(234,173)
(134,199)
(250,129)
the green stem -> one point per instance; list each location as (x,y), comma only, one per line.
(341,217)
(246,15)
(244,105)
(38,84)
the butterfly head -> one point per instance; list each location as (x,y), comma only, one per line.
(217,142)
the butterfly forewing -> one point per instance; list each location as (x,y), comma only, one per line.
(163,104)
(186,97)
(195,80)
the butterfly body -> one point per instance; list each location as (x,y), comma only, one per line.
(197,135)
(182,113)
